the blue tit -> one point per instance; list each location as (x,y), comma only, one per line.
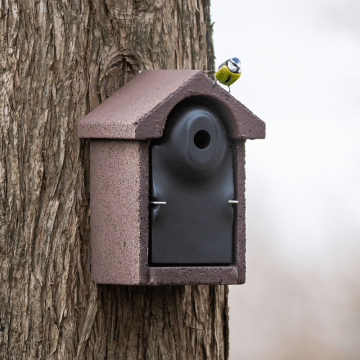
(228,72)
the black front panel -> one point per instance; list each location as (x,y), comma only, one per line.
(192,171)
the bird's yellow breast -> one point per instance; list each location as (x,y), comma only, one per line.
(225,76)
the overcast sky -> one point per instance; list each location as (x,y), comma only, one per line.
(301,75)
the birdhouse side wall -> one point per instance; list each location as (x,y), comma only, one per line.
(144,211)
(115,206)
(240,224)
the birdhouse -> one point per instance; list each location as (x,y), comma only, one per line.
(167,181)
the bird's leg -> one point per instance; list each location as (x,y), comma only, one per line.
(214,83)
(229,91)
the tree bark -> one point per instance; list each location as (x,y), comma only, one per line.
(59,60)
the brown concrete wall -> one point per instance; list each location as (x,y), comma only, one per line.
(186,275)
(144,210)
(115,211)
(119,186)
(240,224)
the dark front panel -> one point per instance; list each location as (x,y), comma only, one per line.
(192,171)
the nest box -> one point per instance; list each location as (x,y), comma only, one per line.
(167,181)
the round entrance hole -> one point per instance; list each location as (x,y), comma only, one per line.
(202,139)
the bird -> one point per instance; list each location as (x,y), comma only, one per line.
(228,72)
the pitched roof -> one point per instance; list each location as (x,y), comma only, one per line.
(139,109)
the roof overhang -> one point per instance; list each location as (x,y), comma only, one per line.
(140,108)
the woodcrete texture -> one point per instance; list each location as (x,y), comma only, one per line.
(119,179)
(58,61)
(115,206)
(139,110)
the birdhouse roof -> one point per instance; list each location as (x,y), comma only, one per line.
(139,109)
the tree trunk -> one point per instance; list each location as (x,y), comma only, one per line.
(59,60)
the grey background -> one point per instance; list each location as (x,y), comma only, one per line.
(301,75)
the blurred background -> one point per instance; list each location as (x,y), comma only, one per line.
(301,75)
